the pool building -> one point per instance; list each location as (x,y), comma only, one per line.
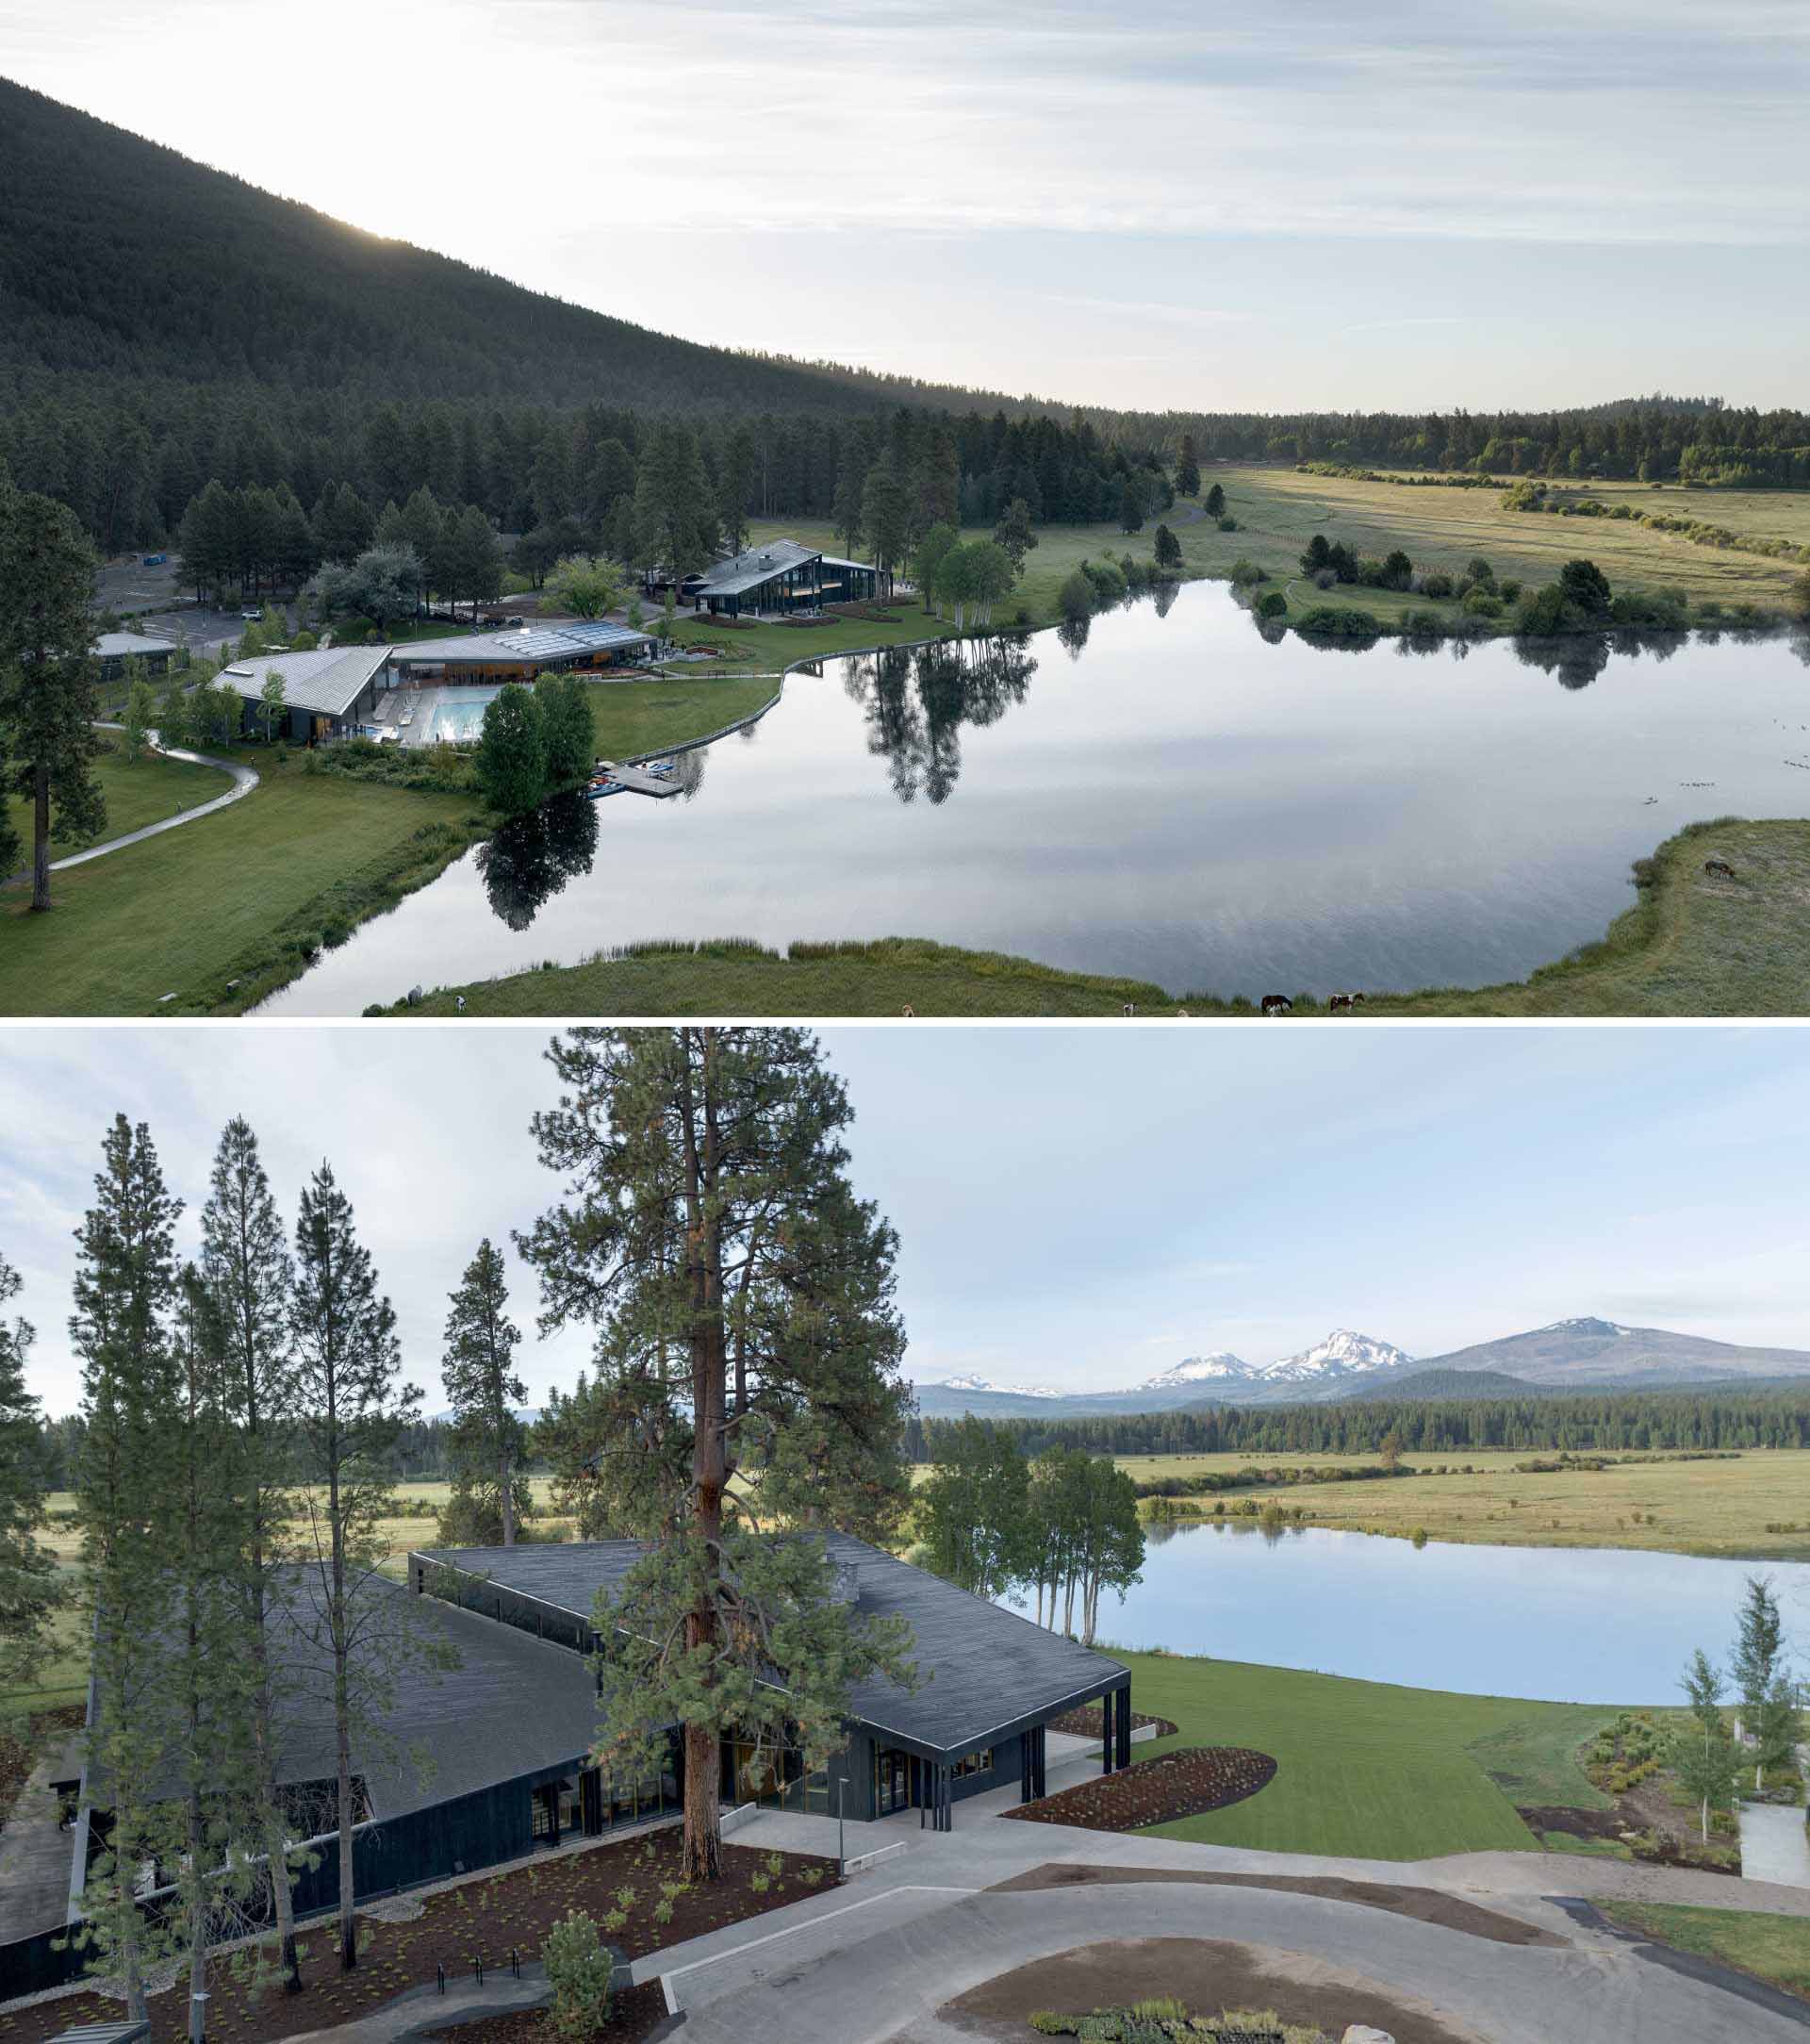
(329,692)
(520,653)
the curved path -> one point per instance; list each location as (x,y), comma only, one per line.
(887,1988)
(244,780)
(872,1962)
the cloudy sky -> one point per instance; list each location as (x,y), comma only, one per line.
(1182,202)
(1081,1206)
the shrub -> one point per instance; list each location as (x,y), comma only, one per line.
(578,1970)
(1246,573)
(1481,603)
(1437,585)
(1337,621)
(1047,2023)
(1110,585)
(1509,591)
(1074,598)
(1273,603)
(1228,524)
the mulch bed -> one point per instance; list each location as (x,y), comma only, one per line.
(1085,1723)
(1670,1849)
(1424,1905)
(636,2013)
(1186,1782)
(479,1919)
(1206,1975)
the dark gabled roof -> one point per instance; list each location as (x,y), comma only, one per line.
(514,1705)
(983,1672)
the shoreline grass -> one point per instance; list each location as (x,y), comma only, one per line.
(1693,943)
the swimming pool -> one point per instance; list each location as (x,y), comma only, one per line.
(456,715)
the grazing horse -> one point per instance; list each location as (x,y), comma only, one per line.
(1356,1001)
(1340,1004)
(1277,1005)
(1129,1010)
(1720,868)
(909,1011)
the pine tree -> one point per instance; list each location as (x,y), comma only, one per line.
(1188,468)
(746,1331)
(246,1266)
(512,751)
(29,1594)
(47,740)
(482,1384)
(351,1407)
(124,1298)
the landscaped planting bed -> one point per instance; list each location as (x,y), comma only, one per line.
(479,1919)
(1187,1783)
(634,2012)
(1085,1723)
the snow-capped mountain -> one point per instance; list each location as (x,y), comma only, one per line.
(986,1383)
(1213,1369)
(1341,1354)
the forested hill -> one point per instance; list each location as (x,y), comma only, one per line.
(125,260)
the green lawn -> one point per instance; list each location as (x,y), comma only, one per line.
(137,792)
(228,897)
(1365,1769)
(63,1678)
(634,718)
(1773,1948)
(300,862)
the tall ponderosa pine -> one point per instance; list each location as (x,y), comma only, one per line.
(125,1296)
(351,1406)
(213,1754)
(484,1387)
(245,1265)
(28,1587)
(748,1351)
(47,739)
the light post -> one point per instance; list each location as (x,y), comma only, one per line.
(842,1854)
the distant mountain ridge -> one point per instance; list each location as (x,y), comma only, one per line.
(1579,1354)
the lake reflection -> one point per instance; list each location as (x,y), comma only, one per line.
(1165,796)
(1563,1625)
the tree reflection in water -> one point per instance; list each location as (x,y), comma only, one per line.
(532,857)
(916,698)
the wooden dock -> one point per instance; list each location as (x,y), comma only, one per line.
(636,779)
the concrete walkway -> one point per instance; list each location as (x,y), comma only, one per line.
(1774,1844)
(244,780)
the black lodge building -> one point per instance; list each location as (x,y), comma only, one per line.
(989,1682)
(484,1762)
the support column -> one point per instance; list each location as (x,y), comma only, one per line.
(1039,1777)
(1108,1743)
(1125,1725)
(1024,1767)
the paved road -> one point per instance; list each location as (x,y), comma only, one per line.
(885,1987)
(873,1960)
(244,780)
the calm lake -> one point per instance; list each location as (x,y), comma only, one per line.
(1560,1624)
(1175,799)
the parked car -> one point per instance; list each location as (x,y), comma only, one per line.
(154,560)
(253,616)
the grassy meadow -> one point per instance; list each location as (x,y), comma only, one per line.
(1710,1507)
(1366,1768)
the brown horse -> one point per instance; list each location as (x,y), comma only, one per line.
(1718,869)
(1340,1004)
(1277,1005)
